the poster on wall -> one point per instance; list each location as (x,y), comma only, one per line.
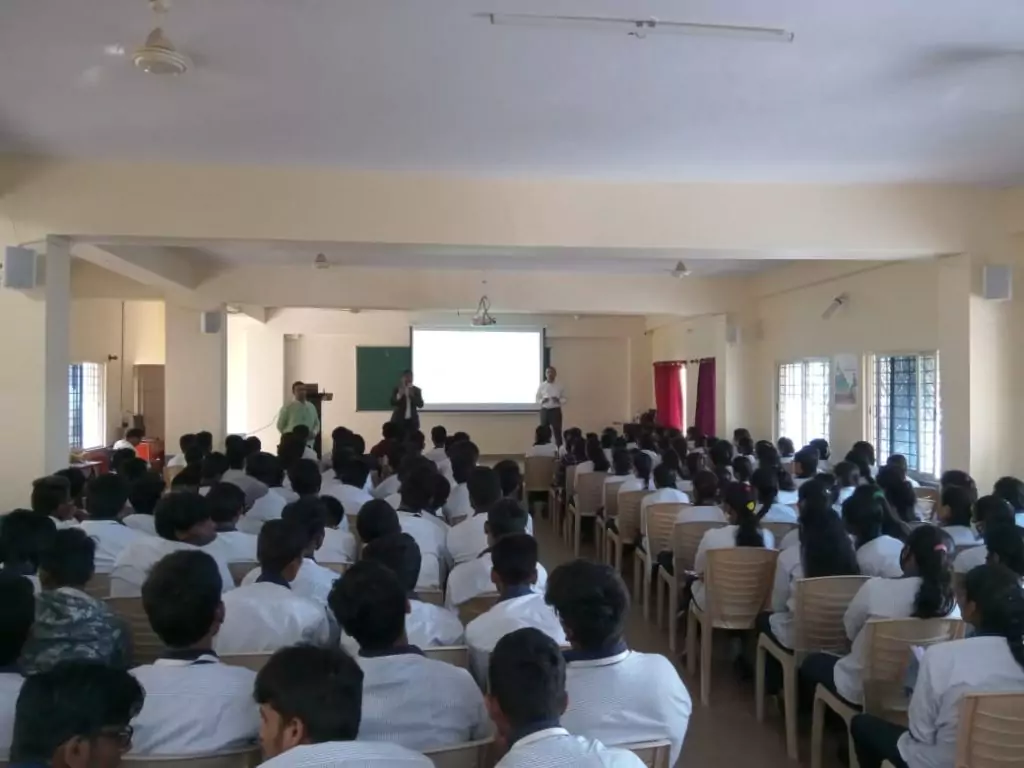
(846,382)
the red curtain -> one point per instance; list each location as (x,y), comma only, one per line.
(704,412)
(668,394)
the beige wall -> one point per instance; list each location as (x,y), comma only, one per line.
(196,376)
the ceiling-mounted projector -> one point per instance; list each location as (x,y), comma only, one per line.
(482,317)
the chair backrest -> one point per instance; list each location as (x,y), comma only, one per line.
(432,595)
(538,473)
(170,473)
(779,530)
(588,493)
(98,586)
(476,606)
(739,583)
(240,569)
(456,655)
(661,522)
(653,754)
(887,654)
(338,568)
(472,754)
(991,730)
(253,661)
(570,478)
(239,758)
(819,607)
(628,519)
(611,497)
(146,646)
(685,540)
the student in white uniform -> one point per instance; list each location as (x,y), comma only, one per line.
(954,515)
(821,445)
(514,573)
(990,661)
(641,479)
(464,456)
(24,537)
(350,486)
(473,578)
(665,492)
(543,445)
(266,469)
(227,503)
(877,534)
(526,698)
(988,512)
(596,460)
(439,441)
(765,481)
(51,497)
(1012,490)
(408,699)
(787,450)
(621,470)
(649,446)
(397,461)
(924,592)
(185,442)
(339,545)
(847,481)
(267,613)
(310,702)
(616,695)
(106,499)
(17,612)
(467,539)
(419,521)
(704,500)
(1005,547)
(237,452)
(805,465)
(143,496)
(194,703)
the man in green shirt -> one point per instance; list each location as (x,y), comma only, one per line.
(298,411)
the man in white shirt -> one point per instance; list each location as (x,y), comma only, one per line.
(417,519)
(17,612)
(551,397)
(339,545)
(665,492)
(349,486)
(310,703)
(464,456)
(266,469)
(467,539)
(185,442)
(227,503)
(439,438)
(514,573)
(526,699)
(616,695)
(51,496)
(106,497)
(194,703)
(542,443)
(143,496)
(131,439)
(266,612)
(237,452)
(408,699)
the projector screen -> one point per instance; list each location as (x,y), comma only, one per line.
(478,369)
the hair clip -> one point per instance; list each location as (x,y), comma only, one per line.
(941,548)
(750,506)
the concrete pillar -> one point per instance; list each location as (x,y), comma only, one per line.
(195,376)
(256,380)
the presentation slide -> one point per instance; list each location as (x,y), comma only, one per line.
(478,369)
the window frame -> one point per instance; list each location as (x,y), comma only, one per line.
(87,411)
(805,363)
(917,459)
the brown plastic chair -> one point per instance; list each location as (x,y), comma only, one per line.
(476,606)
(886,652)
(240,569)
(661,520)
(653,754)
(611,509)
(456,655)
(585,503)
(780,530)
(431,595)
(253,661)
(820,605)
(991,730)
(472,754)
(146,646)
(239,758)
(557,500)
(685,540)
(538,473)
(628,523)
(738,583)
(98,586)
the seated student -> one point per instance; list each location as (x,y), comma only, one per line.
(442,489)
(71,624)
(648,445)
(411,462)
(266,469)
(185,442)
(391,480)
(464,456)
(616,695)
(51,497)
(77,714)
(377,519)
(765,481)
(742,469)
(227,504)
(106,499)
(76,486)
(339,545)
(119,457)
(182,522)
(821,445)
(620,471)
(847,481)
(350,485)
(133,469)
(954,515)
(704,499)
(24,536)
(805,465)
(897,462)
(596,461)
(466,540)
(418,521)
(310,702)
(143,495)
(543,445)
(132,438)
(1012,491)
(17,612)
(266,612)
(438,439)
(1005,546)
(988,512)
(194,703)
(924,592)
(473,578)
(407,699)
(237,453)
(301,432)
(514,572)
(872,524)
(526,699)
(743,531)
(786,449)
(641,479)
(901,497)
(305,479)
(510,477)
(665,493)
(215,465)
(990,661)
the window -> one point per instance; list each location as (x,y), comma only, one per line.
(906,416)
(803,404)
(86,403)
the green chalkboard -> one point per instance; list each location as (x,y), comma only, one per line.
(378,370)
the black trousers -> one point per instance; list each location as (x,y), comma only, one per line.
(552,417)
(772,668)
(876,740)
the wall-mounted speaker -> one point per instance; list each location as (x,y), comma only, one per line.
(20,269)
(212,322)
(997,282)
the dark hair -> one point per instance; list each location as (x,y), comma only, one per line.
(70,559)
(766,482)
(664,476)
(266,468)
(865,449)
(304,475)
(320,687)
(825,548)
(993,510)
(417,489)
(1011,489)
(542,434)
(186,441)
(376,518)
(959,502)
(442,490)
(214,465)
(369,602)
(807,458)
(463,455)
(721,454)
(961,478)
(310,514)
(301,432)
(820,444)
(592,602)
(786,448)
(236,451)
(290,450)
(73,699)
(400,553)
(145,493)
(438,435)
(49,494)
(739,497)
(526,672)
(622,462)
(863,467)
(179,512)
(134,433)
(189,478)
(506,517)
(741,433)
(334,511)
(484,488)
(767,454)
(867,515)
(353,472)
(24,536)
(705,487)
(119,457)
(280,543)
(509,476)
(642,465)
(76,482)
(106,496)
(595,454)
(514,558)
(899,494)
(204,440)
(1006,541)
(132,469)
(226,502)
(931,548)
(742,469)
(181,596)
(996,593)
(17,614)
(194,456)
(847,474)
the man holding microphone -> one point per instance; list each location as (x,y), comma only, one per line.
(406,401)
(551,397)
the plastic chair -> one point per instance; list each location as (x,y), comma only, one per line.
(991,730)
(779,530)
(240,569)
(146,646)
(628,523)
(472,754)
(661,520)
(653,754)
(585,503)
(432,595)
(611,509)
(820,605)
(253,661)
(886,650)
(476,606)
(738,585)
(538,473)
(98,586)
(557,500)
(456,655)
(239,758)
(685,540)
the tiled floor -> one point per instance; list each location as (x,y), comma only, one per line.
(724,734)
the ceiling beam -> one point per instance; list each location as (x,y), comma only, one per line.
(160,268)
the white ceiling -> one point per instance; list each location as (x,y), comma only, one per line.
(875,90)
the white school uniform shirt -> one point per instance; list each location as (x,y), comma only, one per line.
(788,569)
(660,496)
(557,748)
(551,394)
(348,754)
(252,487)
(472,579)
(777,513)
(193,707)
(111,539)
(948,671)
(339,547)
(787,497)
(426,626)
(970,559)
(268,507)
(177,460)
(120,445)
(548,449)
(262,617)
(484,632)
(313,581)
(394,500)
(351,498)
(436,454)
(718,538)
(309,453)
(458,503)
(390,484)
(420,703)
(431,538)
(627,698)
(963,536)
(133,564)
(876,599)
(881,557)
(634,483)
(1019,519)
(466,540)
(236,546)
(10,687)
(141,523)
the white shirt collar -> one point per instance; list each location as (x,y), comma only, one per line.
(607,661)
(206,658)
(547,733)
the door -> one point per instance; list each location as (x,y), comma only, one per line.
(149,398)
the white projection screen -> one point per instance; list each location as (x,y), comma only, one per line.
(478,369)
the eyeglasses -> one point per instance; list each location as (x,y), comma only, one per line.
(121,734)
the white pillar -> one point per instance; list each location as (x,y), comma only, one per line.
(57,327)
(195,376)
